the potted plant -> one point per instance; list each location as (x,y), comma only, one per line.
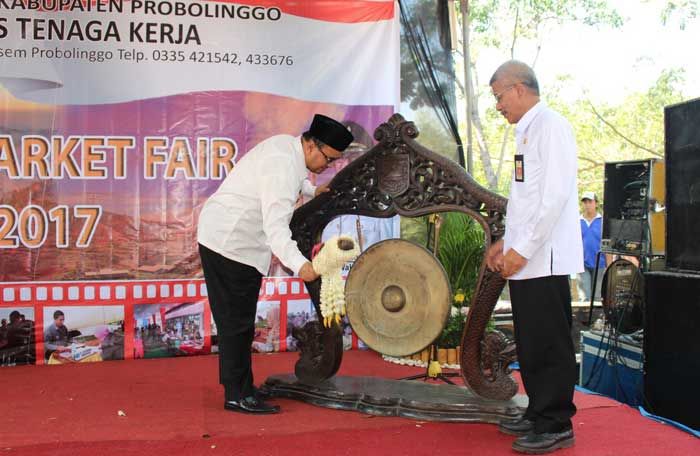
(460,251)
(449,340)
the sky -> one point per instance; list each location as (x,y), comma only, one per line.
(607,63)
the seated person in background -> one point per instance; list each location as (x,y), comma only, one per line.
(273,322)
(18,332)
(3,333)
(15,320)
(56,335)
(168,336)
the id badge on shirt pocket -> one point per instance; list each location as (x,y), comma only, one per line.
(519,168)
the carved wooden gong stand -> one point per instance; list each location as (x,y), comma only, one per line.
(399,176)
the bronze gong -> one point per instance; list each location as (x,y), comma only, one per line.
(398,297)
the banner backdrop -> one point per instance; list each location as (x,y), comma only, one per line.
(119,118)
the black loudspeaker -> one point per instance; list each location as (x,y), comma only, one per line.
(682,128)
(633,219)
(672,346)
(623,292)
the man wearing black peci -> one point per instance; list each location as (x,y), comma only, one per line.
(241,225)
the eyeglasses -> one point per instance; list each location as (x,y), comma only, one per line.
(499,95)
(329,160)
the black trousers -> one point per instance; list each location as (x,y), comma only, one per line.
(233,290)
(542,323)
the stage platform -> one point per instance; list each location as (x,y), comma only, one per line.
(174,407)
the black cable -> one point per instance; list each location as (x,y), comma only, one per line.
(621,305)
(625,305)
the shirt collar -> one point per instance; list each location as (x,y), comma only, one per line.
(299,154)
(526,119)
(597,216)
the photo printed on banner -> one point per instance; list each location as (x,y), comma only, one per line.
(267,327)
(299,313)
(82,334)
(17,336)
(163,330)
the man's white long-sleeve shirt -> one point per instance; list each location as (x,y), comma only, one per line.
(248,217)
(542,218)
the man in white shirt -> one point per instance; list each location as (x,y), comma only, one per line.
(540,249)
(241,225)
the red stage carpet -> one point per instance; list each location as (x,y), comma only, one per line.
(174,406)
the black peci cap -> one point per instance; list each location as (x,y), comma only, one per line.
(330,132)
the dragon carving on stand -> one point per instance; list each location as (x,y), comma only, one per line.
(399,176)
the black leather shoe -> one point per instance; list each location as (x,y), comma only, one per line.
(251,404)
(544,443)
(257,392)
(519,427)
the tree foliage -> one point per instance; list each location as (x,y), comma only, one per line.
(630,130)
(683,10)
(517,29)
(625,130)
(461,249)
